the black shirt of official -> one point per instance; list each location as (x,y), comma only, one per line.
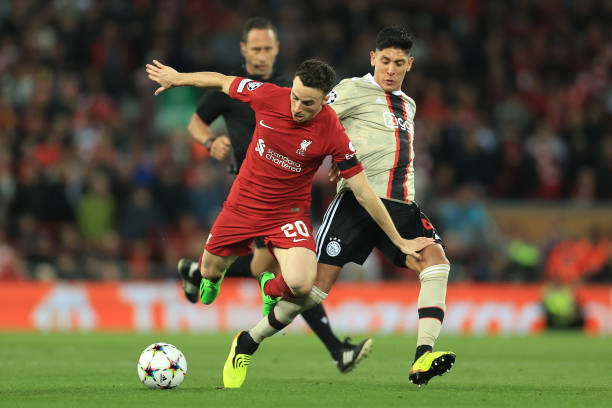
(239,117)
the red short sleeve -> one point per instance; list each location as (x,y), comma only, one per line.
(248,90)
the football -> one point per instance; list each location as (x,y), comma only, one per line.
(162,366)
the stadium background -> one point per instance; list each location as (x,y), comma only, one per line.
(102,191)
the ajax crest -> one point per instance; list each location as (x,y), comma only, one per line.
(333,248)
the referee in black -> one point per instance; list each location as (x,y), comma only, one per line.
(259,47)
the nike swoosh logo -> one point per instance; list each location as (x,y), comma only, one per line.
(264,125)
(298,240)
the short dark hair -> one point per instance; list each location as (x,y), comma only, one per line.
(316,74)
(257,23)
(394,36)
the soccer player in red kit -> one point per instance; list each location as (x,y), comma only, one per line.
(271,196)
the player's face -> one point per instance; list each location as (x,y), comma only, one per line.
(390,67)
(306,102)
(259,52)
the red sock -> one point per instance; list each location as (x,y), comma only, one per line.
(277,287)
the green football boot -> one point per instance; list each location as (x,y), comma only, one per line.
(429,365)
(210,290)
(268,301)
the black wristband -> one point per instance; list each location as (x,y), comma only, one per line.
(207,143)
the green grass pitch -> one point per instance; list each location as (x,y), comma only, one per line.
(293,370)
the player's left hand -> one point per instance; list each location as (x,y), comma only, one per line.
(334,173)
(163,75)
(411,247)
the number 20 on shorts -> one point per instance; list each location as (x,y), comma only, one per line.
(292,229)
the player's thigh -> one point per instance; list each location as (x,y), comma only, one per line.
(346,233)
(299,268)
(262,261)
(411,223)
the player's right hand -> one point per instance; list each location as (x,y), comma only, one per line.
(220,147)
(163,75)
(411,247)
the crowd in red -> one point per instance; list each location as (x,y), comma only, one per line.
(513,101)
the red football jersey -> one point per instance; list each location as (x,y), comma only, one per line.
(284,155)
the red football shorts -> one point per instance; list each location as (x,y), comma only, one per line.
(234,231)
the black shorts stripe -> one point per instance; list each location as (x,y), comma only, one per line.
(348,163)
(274,321)
(399,174)
(432,312)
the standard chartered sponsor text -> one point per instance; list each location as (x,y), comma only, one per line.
(283,161)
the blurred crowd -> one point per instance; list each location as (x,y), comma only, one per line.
(99,180)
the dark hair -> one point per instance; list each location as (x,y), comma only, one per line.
(316,74)
(394,36)
(259,23)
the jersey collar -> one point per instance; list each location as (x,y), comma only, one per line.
(370,78)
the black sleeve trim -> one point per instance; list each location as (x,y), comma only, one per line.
(348,164)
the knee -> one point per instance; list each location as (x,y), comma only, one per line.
(442,260)
(299,283)
(300,289)
(210,270)
(433,255)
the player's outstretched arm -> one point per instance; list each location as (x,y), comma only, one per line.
(374,206)
(168,77)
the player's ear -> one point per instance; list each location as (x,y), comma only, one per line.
(243,48)
(372,58)
(410,61)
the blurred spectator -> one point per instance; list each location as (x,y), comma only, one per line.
(574,260)
(7,183)
(97,209)
(170,194)
(140,216)
(561,307)
(469,234)
(205,193)
(11,267)
(549,154)
(524,258)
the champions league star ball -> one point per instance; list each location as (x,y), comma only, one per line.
(162,366)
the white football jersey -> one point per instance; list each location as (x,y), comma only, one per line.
(381,127)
